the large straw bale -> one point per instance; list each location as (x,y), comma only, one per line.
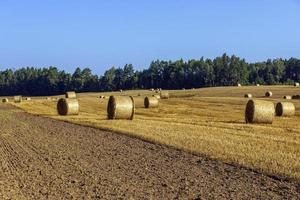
(27,98)
(248,95)
(68,106)
(268,94)
(296,84)
(5,100)
(287,97)
(120,107)
(151,102)
(18,99)
(285,109)
(239,85)
(71,94)
(258,111)
(164,95)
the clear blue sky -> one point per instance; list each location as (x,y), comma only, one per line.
(100,34)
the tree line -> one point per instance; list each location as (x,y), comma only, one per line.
(221,71)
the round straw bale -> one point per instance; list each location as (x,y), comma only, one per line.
(156,96)
(239,85)
(268,94)
(27,98)
(71,95)
(258,111)
(296,84)
(121,90)
(67,106)
(248,95)
(48,98)
(164,95)
(257,85)
(5,100)
(138,102)
(102,97)
(120,107)
(151,102)
(151,89)
(183,88)
(287,97)
(17,99)
(285,109)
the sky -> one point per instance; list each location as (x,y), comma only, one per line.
(100,34)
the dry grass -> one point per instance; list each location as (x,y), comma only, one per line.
(207,121)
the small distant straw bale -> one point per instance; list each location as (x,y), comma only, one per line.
(151,102)
(157,90)
(71,94)
(287,97)
(248,95)
(5,100)
(68,106)
(17,99)
(120,107)
(285,109)
(258,111)
(296,84)
(164,95)
(268,94)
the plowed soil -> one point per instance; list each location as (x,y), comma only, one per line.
(41,158)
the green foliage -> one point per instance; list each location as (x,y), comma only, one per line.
(221,71)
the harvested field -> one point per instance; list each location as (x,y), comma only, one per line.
(207,121)
(42,158)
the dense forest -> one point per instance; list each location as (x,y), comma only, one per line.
(221,71)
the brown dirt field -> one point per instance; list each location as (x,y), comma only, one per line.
(42,158)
